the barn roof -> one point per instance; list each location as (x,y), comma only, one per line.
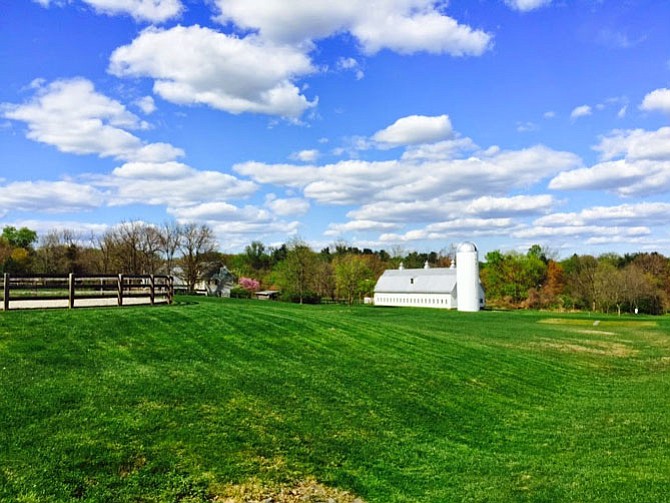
(417,281)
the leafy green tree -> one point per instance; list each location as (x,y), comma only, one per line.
(296,273)
(256,258)
(513,277)
(20,238)
(16,249)
(351,272)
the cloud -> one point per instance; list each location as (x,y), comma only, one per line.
(359,226)
(631,215)
(286,207)
(43,227)
(362,182)
(155,11)
(599,225)
(523,205)
(635,144)
(415,129)
(146,104)
(220,211)
(527,5)
(226,219)
(635,163)
(351,64)
(305,155)
(49,197)
(580,111)
(638,178)
(603,234)
(172,184)
(404,26)
(71,116)
(526,127)
(152,170)
(442,208)
(447,149)
(196,65)
(658,100)
(454,228)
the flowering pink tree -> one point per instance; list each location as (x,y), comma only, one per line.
(249,284)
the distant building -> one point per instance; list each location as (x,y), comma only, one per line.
(267,294)
(215,282)
(457,287)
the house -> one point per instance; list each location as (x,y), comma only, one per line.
(220,283)
(267,294)
(457,287)
(214,282)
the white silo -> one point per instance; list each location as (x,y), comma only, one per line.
(467,277)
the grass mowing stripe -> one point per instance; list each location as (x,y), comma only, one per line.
(173,403)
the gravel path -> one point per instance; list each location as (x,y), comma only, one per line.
(63,303)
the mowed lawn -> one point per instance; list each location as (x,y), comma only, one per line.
(209,398)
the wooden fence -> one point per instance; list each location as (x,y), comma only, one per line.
(21,292)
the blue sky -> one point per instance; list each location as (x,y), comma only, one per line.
(396,124)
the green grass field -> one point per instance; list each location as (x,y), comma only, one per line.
(207,399)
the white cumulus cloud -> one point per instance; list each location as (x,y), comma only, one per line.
(632,215)
(658,100)
(634,163)
(172,184)
(362,182)
(286,207)
(527,5)
(415,129)
(359,226)
(310,155)
(49,197)
(146,104)
(404,26)
(229,220)
(197,65)
(155,11)
(580,111)
(71,116)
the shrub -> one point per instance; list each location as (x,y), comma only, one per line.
(238,292)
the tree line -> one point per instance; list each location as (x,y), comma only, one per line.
(537,279)
(636,282)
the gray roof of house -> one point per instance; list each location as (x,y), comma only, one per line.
(417,281)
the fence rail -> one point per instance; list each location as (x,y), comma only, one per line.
(20,292)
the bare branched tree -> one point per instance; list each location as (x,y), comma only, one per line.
(197,241)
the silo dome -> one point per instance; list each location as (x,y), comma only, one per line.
(467,246)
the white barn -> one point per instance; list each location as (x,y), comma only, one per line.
(456,287)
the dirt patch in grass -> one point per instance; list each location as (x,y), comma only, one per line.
(600,323)
(306,491)
(595,332)
(603,348)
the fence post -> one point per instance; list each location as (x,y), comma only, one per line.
(170,289)
(152,295)
(5,295)
(120,291)
(70,291)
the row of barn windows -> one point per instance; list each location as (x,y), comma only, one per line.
(406,300)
